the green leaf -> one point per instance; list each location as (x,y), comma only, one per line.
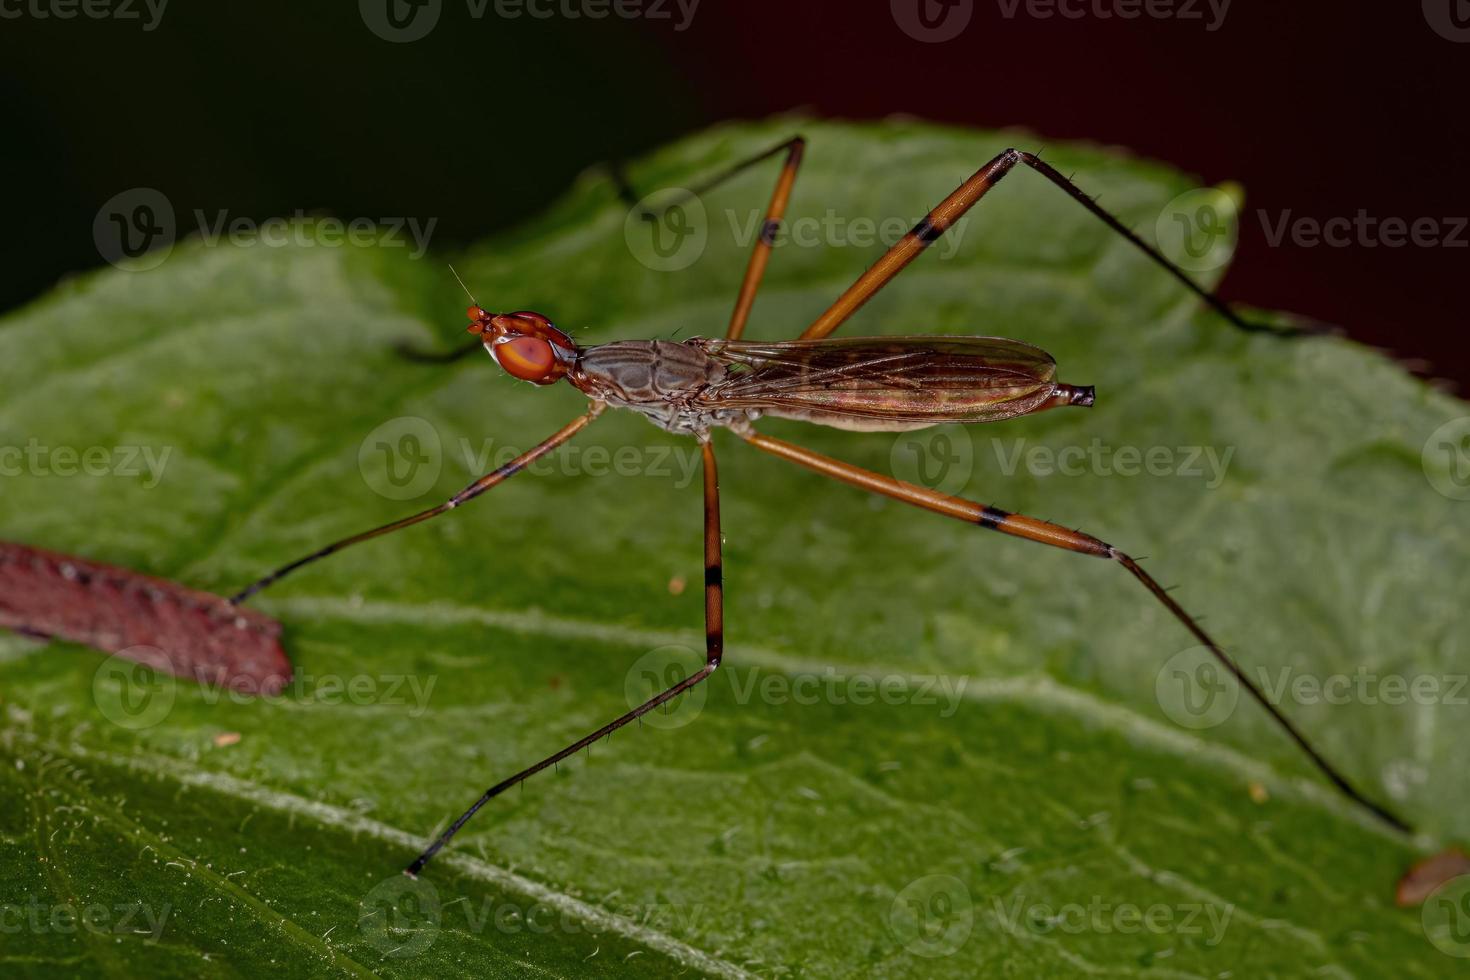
(932,751)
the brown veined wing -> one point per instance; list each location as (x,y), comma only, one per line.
(892,383)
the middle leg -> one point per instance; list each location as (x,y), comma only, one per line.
(714,641)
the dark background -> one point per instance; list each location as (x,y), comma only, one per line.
(1318,108)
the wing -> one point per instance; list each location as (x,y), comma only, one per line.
(883,382)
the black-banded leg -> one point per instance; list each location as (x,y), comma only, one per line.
(496,476)
(1032,529)
(714,634)
(952,208)
(760,253)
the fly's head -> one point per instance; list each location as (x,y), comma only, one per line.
(525,344)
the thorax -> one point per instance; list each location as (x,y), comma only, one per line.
(659,379)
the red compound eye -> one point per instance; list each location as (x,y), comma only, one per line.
(527,358)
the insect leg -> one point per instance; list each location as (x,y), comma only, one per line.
(761,253)
(755,270)
(1057,536)
(952,208)
(714,631)
(470,492)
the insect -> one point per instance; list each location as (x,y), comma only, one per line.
(865,384)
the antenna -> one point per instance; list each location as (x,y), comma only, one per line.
(461,284)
